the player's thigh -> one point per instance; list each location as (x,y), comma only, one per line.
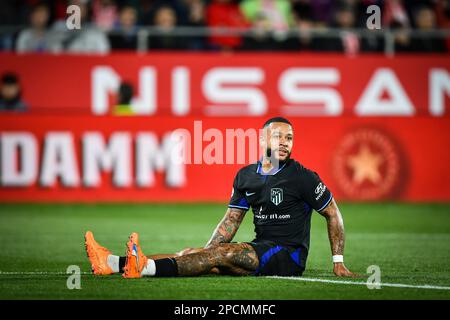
(277,260)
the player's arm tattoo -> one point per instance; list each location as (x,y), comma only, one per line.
(335,225)
(227,227)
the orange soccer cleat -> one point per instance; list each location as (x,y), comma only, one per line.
(98,255)
(135,259)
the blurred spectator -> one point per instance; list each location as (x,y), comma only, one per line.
(278,12)
(145,11)
(125,32)
(87,39)
(124,97)
(99,16)
(10,94)
(347,41)
(225,14)
(396,14)
(104,14)
(261,36)
(148,9)
(166,21)
(37,37)
(402,40)
(425,20)
(196,18)
(443,17)
(196,13)
(304,41)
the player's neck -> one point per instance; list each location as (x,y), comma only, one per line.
(267,165)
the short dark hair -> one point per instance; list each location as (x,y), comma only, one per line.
(276,119)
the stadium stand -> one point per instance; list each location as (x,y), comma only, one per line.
(254,25)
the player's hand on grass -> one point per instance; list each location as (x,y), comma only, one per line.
(340,270)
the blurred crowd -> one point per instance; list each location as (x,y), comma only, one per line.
(110,25)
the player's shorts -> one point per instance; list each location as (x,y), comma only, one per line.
(277,260)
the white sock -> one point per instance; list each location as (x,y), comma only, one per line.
(113,263)
(149,269)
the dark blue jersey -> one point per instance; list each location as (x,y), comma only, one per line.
(281,201)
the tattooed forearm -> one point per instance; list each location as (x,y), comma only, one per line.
(335,225)
(227,228)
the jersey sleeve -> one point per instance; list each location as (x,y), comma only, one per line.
(237,196)
(314,191)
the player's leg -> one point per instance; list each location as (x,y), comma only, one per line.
(182,253)
(230,258)
(173,255)
(103,262)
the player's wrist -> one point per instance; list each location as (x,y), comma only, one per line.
(338,258)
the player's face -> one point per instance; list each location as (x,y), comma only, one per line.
(279,138)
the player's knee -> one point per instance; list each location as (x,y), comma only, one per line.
(224,252)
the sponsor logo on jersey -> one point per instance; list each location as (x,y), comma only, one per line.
(320,189)
(276,195)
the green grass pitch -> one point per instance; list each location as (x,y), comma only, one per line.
(409,242)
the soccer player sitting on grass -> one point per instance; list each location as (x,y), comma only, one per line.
(282,194)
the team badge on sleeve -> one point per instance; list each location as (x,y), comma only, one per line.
(276,195)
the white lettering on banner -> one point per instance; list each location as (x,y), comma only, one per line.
(19,159)
(180,93)
(371,102)
(105,81)
(310,101)
(145,103)
(151,156)
(18,148)
(236,91)
(225,88)
(59,160)
(439,88)
(114,157)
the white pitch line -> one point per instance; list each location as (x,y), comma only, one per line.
(394,285)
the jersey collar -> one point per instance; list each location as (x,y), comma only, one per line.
(272,172)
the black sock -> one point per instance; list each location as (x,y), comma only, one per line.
(166,267)
(122,261)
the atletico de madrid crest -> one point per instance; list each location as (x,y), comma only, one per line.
(276,195)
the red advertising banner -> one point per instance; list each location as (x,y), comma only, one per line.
(91,159)
(224,85)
